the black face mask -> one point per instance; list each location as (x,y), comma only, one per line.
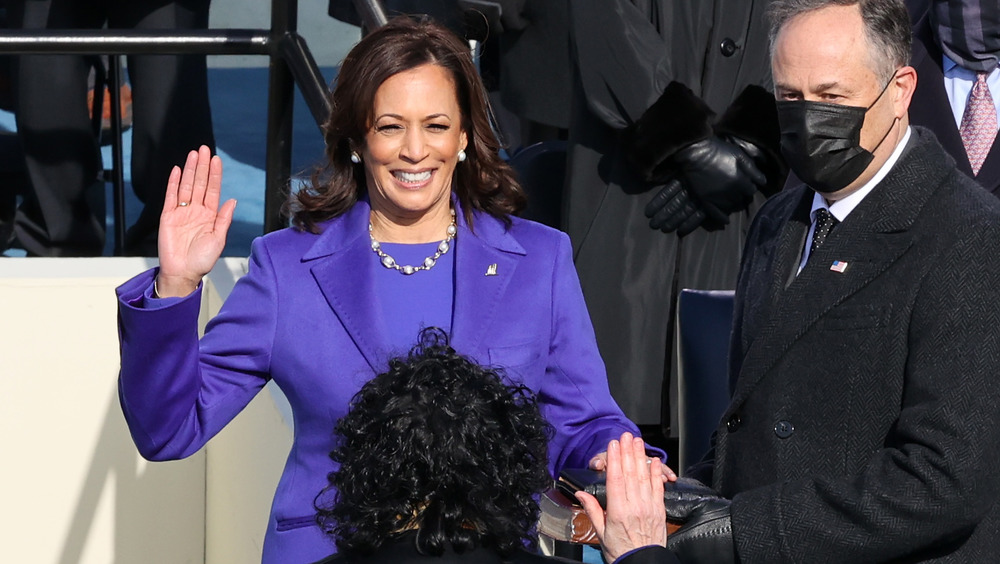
(822,142)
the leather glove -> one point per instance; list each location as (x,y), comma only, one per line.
(711,179)
(682,496)
(672,209)
(707,532)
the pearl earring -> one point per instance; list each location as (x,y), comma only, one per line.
(355,157)
(461,156)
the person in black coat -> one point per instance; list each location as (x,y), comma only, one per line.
(672,128)
(440,461)
(865,346)
(864,349)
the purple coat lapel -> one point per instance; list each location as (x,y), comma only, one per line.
(344,269)
(484,265)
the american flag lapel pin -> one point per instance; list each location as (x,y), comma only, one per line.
(838,266)
(492,270)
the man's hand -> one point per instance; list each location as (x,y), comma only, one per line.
(708,180)
(706,534)
(636,516)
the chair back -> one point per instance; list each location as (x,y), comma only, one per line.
(704,324)
(541,169)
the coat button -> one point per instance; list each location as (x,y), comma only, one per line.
(733,423)
(784,429)
(728,47)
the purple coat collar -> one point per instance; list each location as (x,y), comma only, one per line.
(344,268)
(343,231)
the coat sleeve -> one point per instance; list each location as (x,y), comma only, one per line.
(177,393)
(623,61)
(936,476)
(641,66)
(575,397)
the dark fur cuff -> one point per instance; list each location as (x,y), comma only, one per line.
(677,119)
(753,117)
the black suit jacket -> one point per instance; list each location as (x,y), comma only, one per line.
(930,107)
(863,422)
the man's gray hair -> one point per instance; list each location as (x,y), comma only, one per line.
(887,28)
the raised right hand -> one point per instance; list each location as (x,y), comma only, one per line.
(192,226)
(635,516)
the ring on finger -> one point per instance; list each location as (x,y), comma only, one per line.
(182,204)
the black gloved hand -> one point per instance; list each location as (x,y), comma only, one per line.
(707,532)
(711,178)
(672,209)
(682,496)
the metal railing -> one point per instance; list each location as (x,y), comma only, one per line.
(291,64)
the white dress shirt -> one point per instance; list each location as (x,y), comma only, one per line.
(841,208)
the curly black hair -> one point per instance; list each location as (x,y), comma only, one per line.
(441,445)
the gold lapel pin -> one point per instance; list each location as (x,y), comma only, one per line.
(492,270)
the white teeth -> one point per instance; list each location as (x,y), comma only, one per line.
(412,176)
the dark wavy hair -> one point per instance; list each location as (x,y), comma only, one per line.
(484,182)
(441,445)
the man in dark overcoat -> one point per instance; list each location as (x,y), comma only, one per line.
(865,343)
(862,426)
(662,90)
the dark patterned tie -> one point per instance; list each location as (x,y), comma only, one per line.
(979,123)
(825,222)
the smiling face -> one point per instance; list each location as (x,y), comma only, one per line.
(411,149)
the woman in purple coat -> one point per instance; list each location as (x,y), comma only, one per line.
(411,225)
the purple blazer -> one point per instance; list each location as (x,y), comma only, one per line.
(306,316)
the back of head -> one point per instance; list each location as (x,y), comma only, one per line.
(439,445)
(886,24)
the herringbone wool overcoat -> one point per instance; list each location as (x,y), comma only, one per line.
(865,424)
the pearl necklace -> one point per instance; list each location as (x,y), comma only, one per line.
(389,262)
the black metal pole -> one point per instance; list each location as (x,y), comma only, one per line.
(372,14)
(280,101)
(307,76)
(131,42)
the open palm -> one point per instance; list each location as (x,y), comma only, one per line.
(192,226)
